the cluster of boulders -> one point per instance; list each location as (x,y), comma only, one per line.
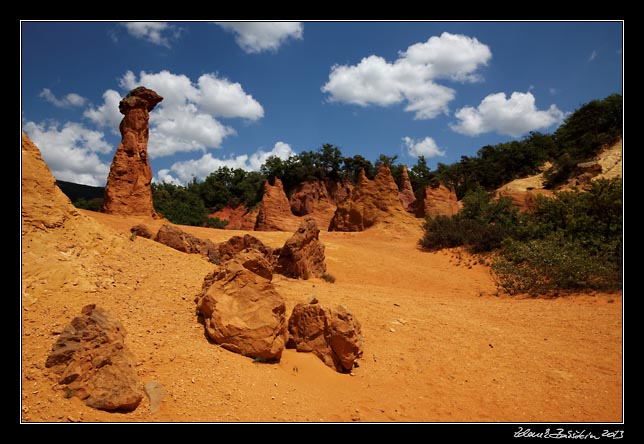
(238,305)
(243,312)
(302,255)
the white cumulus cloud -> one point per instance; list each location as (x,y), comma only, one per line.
(426,147)
(158,33)
(256,37)
(71,151)
(223,98)
(183,172)
(107,115)
(412,77)
(68,101)
(512,116)
(187,117)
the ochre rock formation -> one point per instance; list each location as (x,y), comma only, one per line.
(438,201)
(318,199)
(275,210)
(332,334)
(406,193)
(371,202)
(243,312)
(302,255)
(525,200)
(128,188)
(44,205)
(238,217)
(92,362)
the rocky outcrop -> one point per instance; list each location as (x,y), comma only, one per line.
(302,255)
(585,172)
(43,204)
(318,199)
(438,201)
(332,334)
(338,191)
(406,193)
(243,312)
(371,202)
(307,197)
(93,364)
(128,188)
(178,239)
(525,200)
(275,210)
(238,217)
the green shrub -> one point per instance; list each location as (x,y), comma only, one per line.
(554,263)
(215,222)
(481,226)
(94,204)
(442,232)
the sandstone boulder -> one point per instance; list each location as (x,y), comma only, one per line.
(371,202)
(91,360)
(302,255)
(243,312)
(438,201)
(406,193)
(178,239)
(128,190)
(142,230)
(236,244)
(332,334)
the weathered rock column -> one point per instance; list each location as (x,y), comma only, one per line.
(128,188)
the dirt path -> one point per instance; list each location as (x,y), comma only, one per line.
(439,345)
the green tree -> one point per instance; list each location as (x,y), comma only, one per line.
(353,166)
(331,160)
(421,176)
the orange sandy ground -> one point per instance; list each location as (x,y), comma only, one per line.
(440,344)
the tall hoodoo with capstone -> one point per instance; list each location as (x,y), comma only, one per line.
(128,189)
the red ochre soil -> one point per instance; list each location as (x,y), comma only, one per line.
(439,344)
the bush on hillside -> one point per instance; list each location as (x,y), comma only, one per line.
(481,225)
(554,263)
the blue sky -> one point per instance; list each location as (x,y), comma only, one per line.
(236,93)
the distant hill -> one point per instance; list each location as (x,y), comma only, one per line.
(77,191)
